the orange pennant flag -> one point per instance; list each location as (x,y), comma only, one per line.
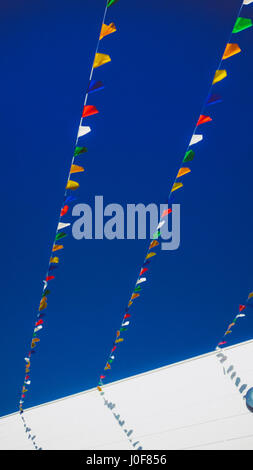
(183,171)
(153,244)
(107,29)
(231,49)
(76,169)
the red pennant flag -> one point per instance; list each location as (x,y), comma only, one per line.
(89,111)
(223,342)
(203,119)
(242,307)
(102,376)
(39,322)
(49,278)
(64,210)
(166,212)
(114,347)
(143,271)
(127,315)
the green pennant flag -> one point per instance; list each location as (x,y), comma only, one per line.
(137,289)
(80,150)
(123,329)
(189,156)
(157,234)
(241,24)
(60,235)
(46,292)
(111,2)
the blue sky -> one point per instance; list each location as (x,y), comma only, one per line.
(163,59)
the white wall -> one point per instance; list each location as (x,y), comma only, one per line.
(189,405)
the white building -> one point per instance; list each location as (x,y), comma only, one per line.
(195,404)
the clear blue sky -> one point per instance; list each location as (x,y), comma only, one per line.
(163,59)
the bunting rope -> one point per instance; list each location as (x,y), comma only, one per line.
(89,110)
(231,49)
(93,86)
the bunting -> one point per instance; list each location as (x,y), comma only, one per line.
(101,59)
(71,185)
(231,49)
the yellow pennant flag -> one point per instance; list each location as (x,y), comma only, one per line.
(176,186)
(150,255)
(231,49)
(130,303)
(119,340)
(76,169)
(54,260)
(72,185)
(107,29)
(99,389)
(183,171)
(227,332)
(219,75)
(101,59)
(250,295)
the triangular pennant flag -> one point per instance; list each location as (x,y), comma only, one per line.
(76,169)
(111,2)
(189,156)
(107,29)
(101,59)
(213,99)
(150,255)
(73,185)
(247,2)
(242,307)
(250,295)
(160,225)
(135,296)
(80,150)
(143,271)
(64,210)
(153,244)
(142,279)
(241,24)
(95,86)
(203,119)
(166,212)
(195,139)
(240,315)
(51,268)
(89,110)
(83,130)
(223,342)
(57,247)
(183,171)
(219,75)
(54,259)
(119,340)
(60,235)
(231,49)
(61,226)
(176,186)
(70,198)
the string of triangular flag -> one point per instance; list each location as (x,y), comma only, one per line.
(242,310)
(61,232)
(231,49)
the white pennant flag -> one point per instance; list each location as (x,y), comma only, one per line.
(126,323)
(62,225)
(247,2)
(142,279)
(160,225)
(83,130)
(241,314)
(195,139)
(38,328)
